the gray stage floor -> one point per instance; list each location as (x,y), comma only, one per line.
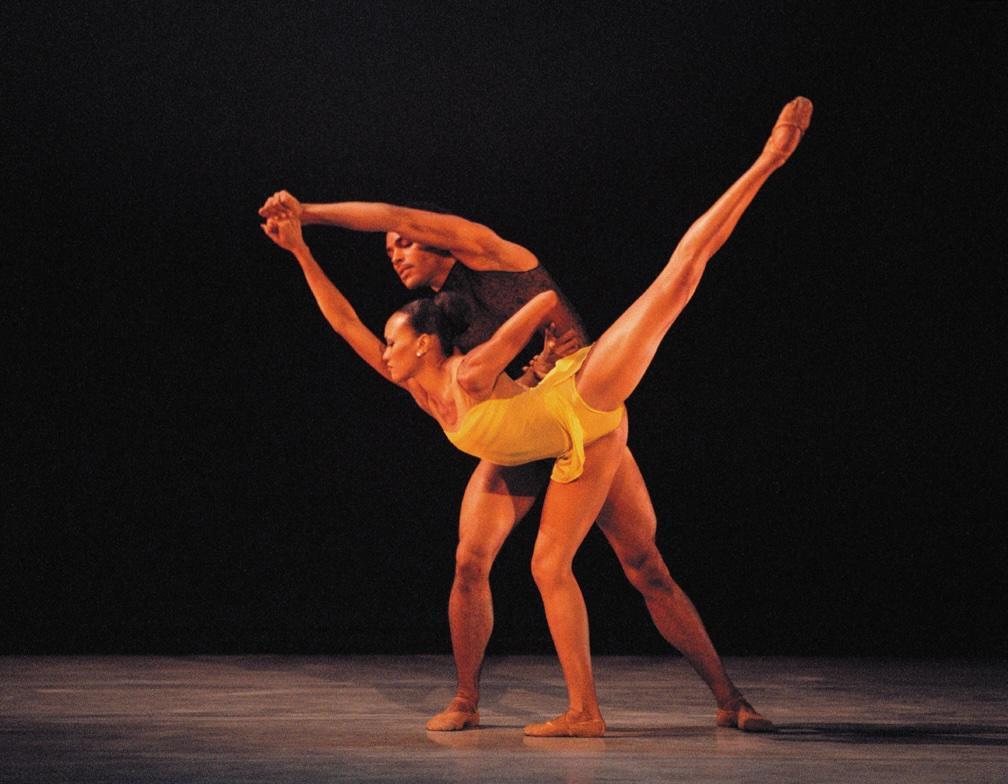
(296,719)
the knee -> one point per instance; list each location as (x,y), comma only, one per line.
(472,567)
(549,571)
(648,573)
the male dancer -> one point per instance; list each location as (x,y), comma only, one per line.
(448,253)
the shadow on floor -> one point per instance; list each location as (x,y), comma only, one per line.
(925,734)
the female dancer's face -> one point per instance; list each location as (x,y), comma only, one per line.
(416,265)
(402,344)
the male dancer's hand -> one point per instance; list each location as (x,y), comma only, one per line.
(554,347)
(281,205)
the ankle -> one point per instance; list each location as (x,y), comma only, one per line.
(464,702)
(771,159)
(733,701)
(577,716)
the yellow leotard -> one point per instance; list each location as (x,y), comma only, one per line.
(548,420)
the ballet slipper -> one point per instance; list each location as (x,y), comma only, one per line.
(453,720)
(741,715)
(563,727)
(795,115)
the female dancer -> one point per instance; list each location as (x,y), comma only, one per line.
(575,415)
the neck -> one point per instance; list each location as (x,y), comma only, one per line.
(434,376)
(438,280)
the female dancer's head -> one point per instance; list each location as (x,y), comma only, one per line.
(427,326)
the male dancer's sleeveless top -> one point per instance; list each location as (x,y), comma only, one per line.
(496,296)
(548,420)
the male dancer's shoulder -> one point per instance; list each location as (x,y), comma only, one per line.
(494,296)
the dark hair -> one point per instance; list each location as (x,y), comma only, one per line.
(445,315)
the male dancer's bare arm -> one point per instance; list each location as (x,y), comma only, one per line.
(473,244)
(555,346)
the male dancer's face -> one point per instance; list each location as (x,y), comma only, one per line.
(416,265)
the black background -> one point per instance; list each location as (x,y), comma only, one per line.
(194,462)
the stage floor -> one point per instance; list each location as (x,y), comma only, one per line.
(361,719)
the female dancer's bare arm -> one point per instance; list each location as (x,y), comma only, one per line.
(479,369)
(334,306)
(475,245)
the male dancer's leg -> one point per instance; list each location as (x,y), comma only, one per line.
(628,521)
(495,499)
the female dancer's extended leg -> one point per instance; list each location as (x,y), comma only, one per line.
(610,373)
(620,357)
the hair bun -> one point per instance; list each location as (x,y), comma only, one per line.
(445,315)
(456,311)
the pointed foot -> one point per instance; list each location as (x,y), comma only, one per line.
(787,132)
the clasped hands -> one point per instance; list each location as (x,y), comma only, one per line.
(283,220)
(282,212)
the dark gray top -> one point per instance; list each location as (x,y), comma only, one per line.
(495,296)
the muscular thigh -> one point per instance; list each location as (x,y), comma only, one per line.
(628,518)
(495,499)
(570,509)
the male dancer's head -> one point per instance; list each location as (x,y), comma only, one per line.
(418,265)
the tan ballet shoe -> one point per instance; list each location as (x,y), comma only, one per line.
(563,727)
(453,720)
(795,115)
(743,716)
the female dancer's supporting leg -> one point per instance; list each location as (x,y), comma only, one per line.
(568,512)
(611,372)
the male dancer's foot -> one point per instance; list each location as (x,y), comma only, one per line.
(788,130)
(567,726)
(738,713)
(460,714)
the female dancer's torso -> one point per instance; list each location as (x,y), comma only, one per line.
(517,425)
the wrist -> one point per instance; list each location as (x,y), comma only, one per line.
(309,214)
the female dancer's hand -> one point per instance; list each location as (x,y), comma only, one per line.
(285,232)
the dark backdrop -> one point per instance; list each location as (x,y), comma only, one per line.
(194,462)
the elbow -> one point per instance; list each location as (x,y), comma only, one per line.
(343,322)
(551,304)
(550,299)
(393,216)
